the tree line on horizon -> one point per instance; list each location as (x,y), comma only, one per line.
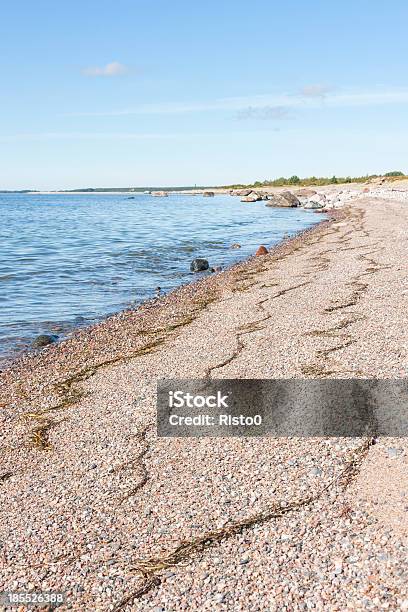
(314,180)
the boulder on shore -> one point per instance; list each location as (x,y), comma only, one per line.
(199,265)
(305,193)
(261,251)
(312,204)
(159,194)
(242,192)
(279,200)
(288,195)
(44,340)
(208,194)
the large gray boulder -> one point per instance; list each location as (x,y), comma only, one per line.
(288,195)
(279,200)
(251,197)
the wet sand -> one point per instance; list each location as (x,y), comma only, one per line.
(96,505)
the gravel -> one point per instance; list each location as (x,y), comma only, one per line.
(100,490)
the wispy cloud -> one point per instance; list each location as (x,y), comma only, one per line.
(109,70)
(263,113)
(315,91)
(309,100)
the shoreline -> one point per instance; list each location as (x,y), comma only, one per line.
(19,334)
(200,291)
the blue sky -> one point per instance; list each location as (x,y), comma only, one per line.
(152,92)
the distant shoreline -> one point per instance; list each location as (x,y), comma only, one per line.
(293,182)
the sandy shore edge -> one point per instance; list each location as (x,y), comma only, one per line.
(131,332)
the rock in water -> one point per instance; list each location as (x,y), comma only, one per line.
(261,251)
(159,194)
(235,245)
(208,194)
(44,340)
(252,197)
(199,265)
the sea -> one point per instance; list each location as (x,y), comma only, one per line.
(69,260)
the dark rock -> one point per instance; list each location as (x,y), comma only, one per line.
(44,340)
(199,265)
(208,194)
(235,245)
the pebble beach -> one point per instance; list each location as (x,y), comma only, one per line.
(96,506)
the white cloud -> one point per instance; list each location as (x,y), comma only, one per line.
(109,70)
(315,91)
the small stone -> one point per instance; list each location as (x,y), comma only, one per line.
(235,245)
(316,471)
(219,598)
(199,265)
(261,251)
(44,340)
(393,453)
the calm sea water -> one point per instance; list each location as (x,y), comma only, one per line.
(69,260)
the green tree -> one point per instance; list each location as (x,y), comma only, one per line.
(294,180)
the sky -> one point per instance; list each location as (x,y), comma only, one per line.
(151,92)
